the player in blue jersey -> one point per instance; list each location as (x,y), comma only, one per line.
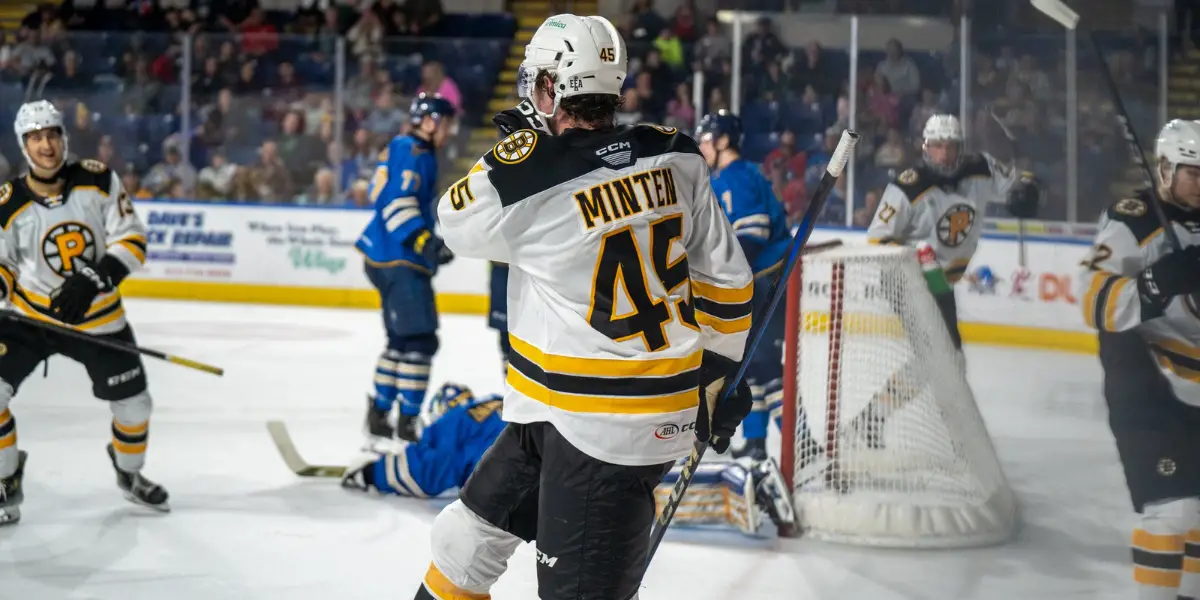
(760,223)
(402,254)
(459,428)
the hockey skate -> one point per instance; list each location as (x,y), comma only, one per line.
(137,488)
(377,421)
(754,449)
(12,493)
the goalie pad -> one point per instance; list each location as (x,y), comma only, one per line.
(735,494)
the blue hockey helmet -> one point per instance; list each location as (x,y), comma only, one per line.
(429,105)
(447,397)
(720,123)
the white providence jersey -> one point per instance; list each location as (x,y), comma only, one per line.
(41,238)
(923,206)
(624,270)
(1131,239)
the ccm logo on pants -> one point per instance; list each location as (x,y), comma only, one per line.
(116,380)
(546,559)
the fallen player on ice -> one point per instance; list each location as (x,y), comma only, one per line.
(459,428)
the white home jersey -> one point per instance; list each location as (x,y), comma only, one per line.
(1131,239)
(921,205)
(42,237)
(624,269)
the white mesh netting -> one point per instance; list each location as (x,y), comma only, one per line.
(890,447)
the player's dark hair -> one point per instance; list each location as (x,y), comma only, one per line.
(594,110)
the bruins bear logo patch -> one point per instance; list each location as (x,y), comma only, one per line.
(516,147)
(93,165)
(908,177)
(1131,206)
(5,192)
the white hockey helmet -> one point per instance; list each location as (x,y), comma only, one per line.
(942,128)
(1178,144)
(36,116)
(586,55)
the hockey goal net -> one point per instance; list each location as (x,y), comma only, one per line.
(883,444)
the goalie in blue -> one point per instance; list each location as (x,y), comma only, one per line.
(402,253)
(760,223)
(459,428)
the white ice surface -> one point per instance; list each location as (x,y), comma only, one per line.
(243,527)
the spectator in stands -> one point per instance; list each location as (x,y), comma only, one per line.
(630,111)
(646,22)
(435,80)
(318,113)
(892,153)
(680,112)
(229,14)
(357,194)
(835,206)
(385,11)
(670,49)
(424,16)
(29,53)
(299,151)
(900,70)
(366,36)
(883,102)
(773,85)
(712,48)
(716,100)
(83,133)
(361,86)
(130,181)
(67,78)
(1028,73)
(385,119)
(360,159)
(795,200)
(652,105)
(215,182)
(811,69)
(819,159)
(142,91)
(927,107)
(106,152)
(258,36)
(989,82)
(321,191)
(247,82)
(208,81)
(762,44)
(268,177)
(162,68)
(684,23)
(866,213)
(173,168)
(785,163)
(288,87)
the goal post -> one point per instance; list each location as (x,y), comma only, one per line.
(883,444)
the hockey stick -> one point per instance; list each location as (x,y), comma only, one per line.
(110,344)
(1057,10)
(837,162)
(1012,144)
(291,456)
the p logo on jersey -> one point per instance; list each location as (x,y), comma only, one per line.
(67,242)
(516,147)
(955,225)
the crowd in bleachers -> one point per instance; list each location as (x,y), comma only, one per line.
(254,89)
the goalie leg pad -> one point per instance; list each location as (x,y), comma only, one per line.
(1159,565)
(131,430)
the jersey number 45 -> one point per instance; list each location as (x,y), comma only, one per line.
(621,273)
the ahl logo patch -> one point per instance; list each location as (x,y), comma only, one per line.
(516,147)
(955,225)
(667,431)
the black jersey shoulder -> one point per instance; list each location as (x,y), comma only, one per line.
(87,173)
(14,197)
(529,162)
(915,181)
(973,165)
(1135,213)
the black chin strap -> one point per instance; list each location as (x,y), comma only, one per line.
(51,180)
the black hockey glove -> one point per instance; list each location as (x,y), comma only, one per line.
(717,421)
(1025,197)
(71,301)
(433,249)
(1174,274)
(521,116)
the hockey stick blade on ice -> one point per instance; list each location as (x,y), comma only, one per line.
(88,338)
(1068,18)
(837,163)
(291,456)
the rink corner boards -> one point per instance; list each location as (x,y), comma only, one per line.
(477,304)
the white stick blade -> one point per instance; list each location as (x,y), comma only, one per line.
(1055,9)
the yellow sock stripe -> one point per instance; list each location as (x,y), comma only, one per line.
(1157,578)
(1153,542)
(8,430)
(138,429)
(124,448)
(443,589)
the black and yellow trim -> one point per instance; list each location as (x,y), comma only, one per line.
(604,385)
(8,430)
(135,245)
(725,310)
(8,281)
(130,439)
(1157,559)
(1100,301)
(103,311)
(439,587)
(1180,359)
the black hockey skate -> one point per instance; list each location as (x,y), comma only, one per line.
(754,449)
(377,421)
(406,428)
(137,488)
(12,493)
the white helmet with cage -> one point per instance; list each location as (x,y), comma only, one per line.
(943,128)
(1178,144)
(36,116)
(585,55)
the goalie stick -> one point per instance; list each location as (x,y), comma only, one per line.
(291,456)
(837,162)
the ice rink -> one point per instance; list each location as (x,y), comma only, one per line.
(244,527)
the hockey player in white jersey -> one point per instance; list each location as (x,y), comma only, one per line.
(68,236)
(628,303)
(1138,292)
